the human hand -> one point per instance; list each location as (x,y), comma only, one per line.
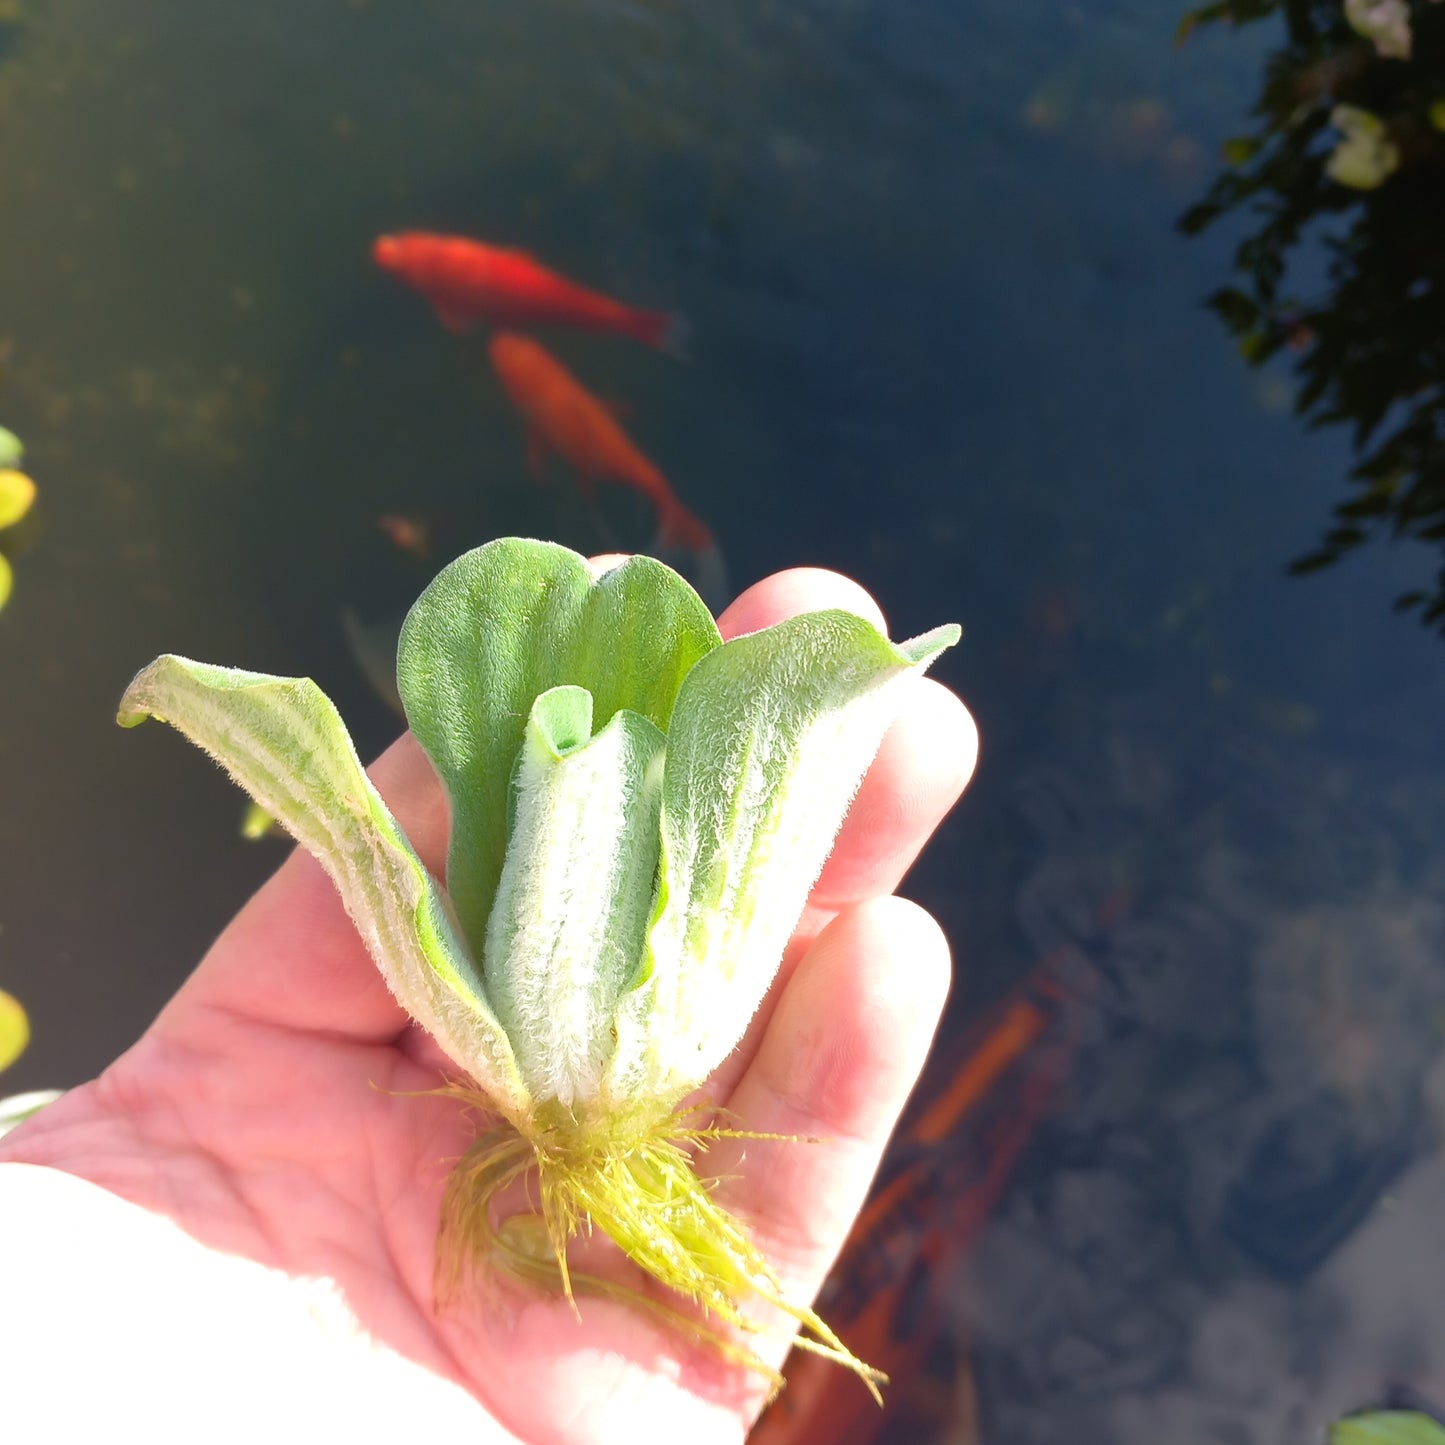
(278,1109)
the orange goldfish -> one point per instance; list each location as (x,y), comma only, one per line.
(467,282)
(562,416)
(886,1292)
(411,535)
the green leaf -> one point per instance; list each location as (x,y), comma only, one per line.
(1204,15)
(1199,217)
(14,1030)
(15,1110)
(282,740)
(771,735)
(256,822)
(17,494)
(572,905)
(1238,311)
(12,453)
(1387,1427)
(1240,149)
(500,626)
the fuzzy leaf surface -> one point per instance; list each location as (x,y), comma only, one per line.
(283,741)
(771,736)
(500,626)
(572,906)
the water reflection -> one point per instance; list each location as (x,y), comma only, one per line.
(1348,149)
(1191,1267)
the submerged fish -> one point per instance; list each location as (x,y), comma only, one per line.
(943,1176)
(373,648)
(468,282)
(562,416)
(408,534)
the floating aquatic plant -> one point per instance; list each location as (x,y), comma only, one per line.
(638,812)
(1388,1427)
(14,1030)
(17,493)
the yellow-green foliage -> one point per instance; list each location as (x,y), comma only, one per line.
(17,494)
(14,1026)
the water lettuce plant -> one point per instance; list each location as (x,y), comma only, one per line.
(638,812)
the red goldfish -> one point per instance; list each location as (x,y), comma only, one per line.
(468,282)
(562,416)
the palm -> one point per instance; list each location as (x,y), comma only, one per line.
(279,1108)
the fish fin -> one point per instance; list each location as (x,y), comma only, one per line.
(373,649)
(677,527)
(537,453)
(604,528)
(676,340)
(668,331)
(457,322)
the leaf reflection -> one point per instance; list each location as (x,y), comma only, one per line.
(1348,149)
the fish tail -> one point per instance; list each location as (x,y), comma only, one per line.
(668,331)
(677,527)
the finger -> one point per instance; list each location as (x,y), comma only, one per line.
(923,765)
(607,562)
(799,589)
(926,760)
(843,1050)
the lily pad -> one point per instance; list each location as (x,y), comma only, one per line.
(1388,1427)
(17,493)
(14,1030)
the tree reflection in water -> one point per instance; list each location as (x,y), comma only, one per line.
(1348,150)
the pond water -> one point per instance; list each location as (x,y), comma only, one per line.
(947,339)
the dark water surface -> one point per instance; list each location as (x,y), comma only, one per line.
(948,341)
